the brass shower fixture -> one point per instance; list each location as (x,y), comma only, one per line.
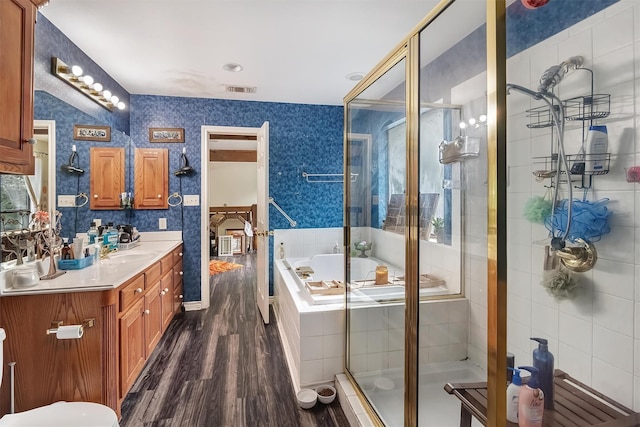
(578,258)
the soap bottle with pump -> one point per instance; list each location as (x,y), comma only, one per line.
(530,401)
(543,362)
(513,392)
(281,250)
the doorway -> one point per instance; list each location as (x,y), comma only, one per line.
(246,145)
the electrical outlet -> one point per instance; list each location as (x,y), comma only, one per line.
(66,201)
(162,223)
(192,200)
(98,222)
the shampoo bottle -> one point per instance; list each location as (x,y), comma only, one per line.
(543,362)
(513,391)
(530,401)
(596,150)
(281,250)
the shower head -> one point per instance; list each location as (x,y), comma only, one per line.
(522,89)
(553,75)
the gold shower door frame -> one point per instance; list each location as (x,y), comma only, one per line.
(409,48)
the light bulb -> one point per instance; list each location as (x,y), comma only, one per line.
(88,80)
(483,118)
(76,70)
(97,87)
(462,125)
(114,100)
(121,105)
(107,95)
(472,121)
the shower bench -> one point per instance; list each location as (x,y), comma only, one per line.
(575,404)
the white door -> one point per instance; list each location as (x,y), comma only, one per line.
(262,294)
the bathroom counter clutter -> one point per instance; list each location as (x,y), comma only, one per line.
(106,274)
(575,404)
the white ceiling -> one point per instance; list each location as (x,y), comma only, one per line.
(297,51)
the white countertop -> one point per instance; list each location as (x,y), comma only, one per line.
(105,275)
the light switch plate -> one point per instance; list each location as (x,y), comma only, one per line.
(192,200)
(162,223)
(65,201)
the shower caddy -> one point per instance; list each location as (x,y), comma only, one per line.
(585,108)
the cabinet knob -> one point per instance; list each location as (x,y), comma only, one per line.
(147,312)
(138,291)
(95,196)
(180,297)
(166,289)
(180,254)
(159,196)
(31,141)
(162,293)
(181,273)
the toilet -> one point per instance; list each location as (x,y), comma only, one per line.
(59,414)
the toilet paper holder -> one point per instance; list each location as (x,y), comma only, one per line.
(86,323)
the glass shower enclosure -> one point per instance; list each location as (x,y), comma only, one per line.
(417,150)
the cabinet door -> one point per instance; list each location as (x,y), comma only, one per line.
(177,286)
(166,295)
(153,317)
(106,177)
(151,178)
(17,21)
(132,346)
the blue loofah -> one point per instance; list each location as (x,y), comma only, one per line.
(590,220)
(537,209)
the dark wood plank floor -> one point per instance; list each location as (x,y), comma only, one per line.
(222,367)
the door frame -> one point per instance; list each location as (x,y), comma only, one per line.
(204,202)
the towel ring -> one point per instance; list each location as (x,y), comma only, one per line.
(86,199)
(174,196)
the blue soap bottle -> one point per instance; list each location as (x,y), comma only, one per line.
(543,361)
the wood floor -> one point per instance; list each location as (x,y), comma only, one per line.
(222,367)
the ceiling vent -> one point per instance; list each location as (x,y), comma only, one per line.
(241,89)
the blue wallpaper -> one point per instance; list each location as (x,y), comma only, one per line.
(302,138)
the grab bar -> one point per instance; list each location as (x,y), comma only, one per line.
(339,177)
(284,214)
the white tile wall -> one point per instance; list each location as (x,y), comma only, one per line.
(595,336)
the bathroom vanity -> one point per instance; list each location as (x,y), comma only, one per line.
(132,296)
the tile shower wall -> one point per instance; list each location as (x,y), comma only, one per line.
(595,336)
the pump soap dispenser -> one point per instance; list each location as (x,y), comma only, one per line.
(530,401)
(543,361)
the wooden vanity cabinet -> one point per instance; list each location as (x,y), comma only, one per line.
(17,25)
(151,171)
(107,177)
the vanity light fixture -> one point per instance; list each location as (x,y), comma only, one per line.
(85,84)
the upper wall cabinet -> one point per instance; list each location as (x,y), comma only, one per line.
(17,24)
(151,178)
(107,178)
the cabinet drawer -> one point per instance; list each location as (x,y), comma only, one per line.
(177,254)
(177,273)
(131,292)
(166,262)
(153,274)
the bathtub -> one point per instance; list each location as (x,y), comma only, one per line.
(328,267)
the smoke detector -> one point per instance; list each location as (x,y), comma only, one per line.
(240,89)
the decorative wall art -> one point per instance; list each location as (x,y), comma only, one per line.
(92,133)
(166,135)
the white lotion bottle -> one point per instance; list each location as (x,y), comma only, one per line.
(281,250)
(513,391)
(596,150)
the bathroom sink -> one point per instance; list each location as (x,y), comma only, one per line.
(128,257)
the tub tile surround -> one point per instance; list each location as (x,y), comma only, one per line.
(313,335)
(595,336)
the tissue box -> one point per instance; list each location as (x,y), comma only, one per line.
(75,264)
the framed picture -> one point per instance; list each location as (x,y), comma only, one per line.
(92,133)
(166,135)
